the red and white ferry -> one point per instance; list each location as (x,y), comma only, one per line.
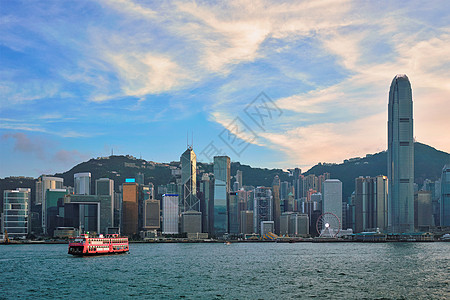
(90,245)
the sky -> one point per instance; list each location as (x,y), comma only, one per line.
(272,84)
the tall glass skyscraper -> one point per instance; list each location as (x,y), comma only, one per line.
(43,184)
(400,156)
(221,193)
(189,180)
(16,208)
(445,196)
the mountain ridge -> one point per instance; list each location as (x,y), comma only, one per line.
(428,165)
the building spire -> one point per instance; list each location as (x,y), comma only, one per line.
(189,146)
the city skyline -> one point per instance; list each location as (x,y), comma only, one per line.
(137,78)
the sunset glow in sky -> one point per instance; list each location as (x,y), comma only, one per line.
(79,78)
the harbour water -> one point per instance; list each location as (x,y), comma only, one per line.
(236,271)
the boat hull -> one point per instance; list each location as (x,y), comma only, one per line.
(97,253)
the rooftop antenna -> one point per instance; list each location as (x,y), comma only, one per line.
(189,146)
(112,151)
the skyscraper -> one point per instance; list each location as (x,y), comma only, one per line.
(233,213)
(263,207)
(189,181)
(105,186)
(139,178)
(16,208)
(207,201)
(423,211)
(170,214)
(151,214)
(332,198)
(297,183)
(246,222)
(276,203)
(445,196)
(93,213)
(42,185)
(149,208)
(310,182)
(370,203)
(52,196)
(221,193)
(400,156)
(239,179)
(130,212)
(82,183)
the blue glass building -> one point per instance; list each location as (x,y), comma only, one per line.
(16,208)
(221,193)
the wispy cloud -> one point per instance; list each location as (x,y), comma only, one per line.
(327,64)
(145,73)
(50,116)
(42,149)
(38,125)
(69,157)
(25,144)
(329,142)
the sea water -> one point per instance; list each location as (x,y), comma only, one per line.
(236,271)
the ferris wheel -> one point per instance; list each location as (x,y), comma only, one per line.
(328,225)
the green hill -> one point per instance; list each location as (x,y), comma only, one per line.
(428,164)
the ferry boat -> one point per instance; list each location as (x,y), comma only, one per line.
(90,245)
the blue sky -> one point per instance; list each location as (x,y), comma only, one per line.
(79,78)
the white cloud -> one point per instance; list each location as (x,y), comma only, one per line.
(18,92)
(146,73)
(362,95)
(237,127)
(50,116)
(329,142)
(132,8)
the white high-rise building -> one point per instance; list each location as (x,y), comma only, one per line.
(43,184)
(170,214)
(82,183)
(400,156)
(332,198)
